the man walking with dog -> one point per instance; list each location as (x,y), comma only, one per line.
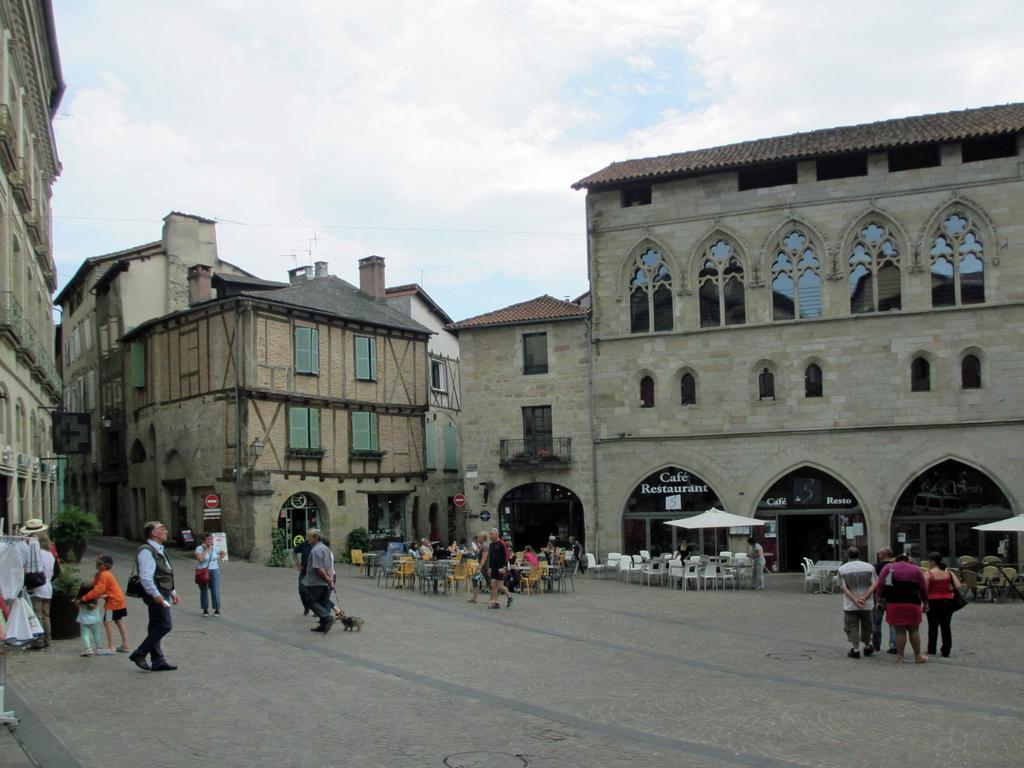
(319,581)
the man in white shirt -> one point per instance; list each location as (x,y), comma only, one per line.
(857,579)
(157,579)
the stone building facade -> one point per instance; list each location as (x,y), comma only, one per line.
(109,295)
(823,330)
(31,86)
(293,407)
(526,435)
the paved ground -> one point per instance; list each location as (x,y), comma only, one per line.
(614,675)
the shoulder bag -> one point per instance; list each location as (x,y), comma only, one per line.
(959,601)
(134,586)
(35,577)
(203,574)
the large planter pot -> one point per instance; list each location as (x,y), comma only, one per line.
(63,617)
(79,550)
(71,551)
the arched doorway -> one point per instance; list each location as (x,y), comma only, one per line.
(938,510)
(530,513)
(669,494)
(177,488)
(809,513)
(299,513)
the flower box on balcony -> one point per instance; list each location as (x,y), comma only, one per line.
(306,453)
(366,455)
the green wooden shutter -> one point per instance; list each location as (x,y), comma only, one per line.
(314,428)
(360,431)
(374,441)
(362,357)
(314,351)
(298,428)
(429,458)
(138,362)
(373,359)
(450,458)
(302,350)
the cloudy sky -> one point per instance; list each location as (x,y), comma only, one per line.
(444,136)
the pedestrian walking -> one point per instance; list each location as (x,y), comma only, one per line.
(757,558)
(89,624)
(906,596)
(208,559)
(319,581)
(496,563)
(878,614)
(941,584)
(578,566)
(480,578)
(300,557)
(157,579)
(115,608)
(46,565)
(857,580)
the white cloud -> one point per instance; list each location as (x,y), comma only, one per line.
(464,115)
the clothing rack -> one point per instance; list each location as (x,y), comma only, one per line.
(8,716)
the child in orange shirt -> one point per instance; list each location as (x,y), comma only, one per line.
(115,609)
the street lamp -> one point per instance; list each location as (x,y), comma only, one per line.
(256,449)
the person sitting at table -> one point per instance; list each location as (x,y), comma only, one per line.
(531,557)
(684,550)
(426,551)
(453,548)
(551,551)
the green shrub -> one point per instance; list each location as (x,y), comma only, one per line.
(71,530)
(359,538)
(279,549)
(68,582)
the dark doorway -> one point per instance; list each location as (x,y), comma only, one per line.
(531,513)
(112,511)
(806,536)
(298,514)
(537,428)
(178,506)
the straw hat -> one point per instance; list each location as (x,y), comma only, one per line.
(34,525)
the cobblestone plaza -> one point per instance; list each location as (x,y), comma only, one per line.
(613,674)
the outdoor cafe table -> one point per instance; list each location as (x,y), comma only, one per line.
(826,569)
(371,561)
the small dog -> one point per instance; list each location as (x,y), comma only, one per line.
(350,623)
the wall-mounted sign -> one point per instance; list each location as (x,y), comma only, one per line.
(670,481)
(671,489)
(459,500)
(485,515)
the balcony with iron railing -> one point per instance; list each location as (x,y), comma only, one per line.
(536,453)
(13,320)
(8,140)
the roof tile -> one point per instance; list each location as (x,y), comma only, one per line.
(535,310)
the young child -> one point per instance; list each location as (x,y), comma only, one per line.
(115,609)
(89,623)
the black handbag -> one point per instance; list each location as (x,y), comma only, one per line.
(134,586)
(35,577)
(959,601)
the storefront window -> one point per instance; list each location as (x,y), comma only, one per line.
(666,495)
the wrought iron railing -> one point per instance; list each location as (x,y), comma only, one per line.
(544,452)
(12,318)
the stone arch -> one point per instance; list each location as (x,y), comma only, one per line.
(174,466)
(297,523)
(137,454)
(983,365)
(978,213)
(677,379)
(766,254)
(952,289)
(535,510)
(874,212)
(721,232)
(713,473)
(647,295)
(626,268)
(790,461)
(926,459)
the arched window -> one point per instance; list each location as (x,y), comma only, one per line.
(970,372)
(812,381)
(19,424)
(920,375)
(766,384)
(721,287)
(874,271)
(646,392)
(687,389)
(958,262)
(796,281)
(650,294)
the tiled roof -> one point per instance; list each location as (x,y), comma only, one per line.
(541,309)
(333,296)
(885,134)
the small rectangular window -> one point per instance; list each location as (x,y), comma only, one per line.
(535,353)
(307,350)
(303,428)
(438,377)
(341,498)
(366,358)
(841,166)
(636,196)
(988,148)
(767,175)
(364,432)
(909,158)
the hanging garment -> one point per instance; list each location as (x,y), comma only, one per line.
(22,625)
(12,570)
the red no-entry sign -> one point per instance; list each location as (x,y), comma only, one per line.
(459,500)
(211,501)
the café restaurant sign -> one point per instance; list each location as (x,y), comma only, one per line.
(672,482)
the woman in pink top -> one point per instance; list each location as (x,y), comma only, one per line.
(531,557)
(905,594)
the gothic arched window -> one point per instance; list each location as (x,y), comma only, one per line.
(721,287)
(970,372)
(796,280)
(920,375)
(812,381)
(874,264)
(687,389)
(766,384)
(650,294)
(958,262)
(646,392)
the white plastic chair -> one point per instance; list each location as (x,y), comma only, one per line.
(692,573)
(613,561)
(712,571)
(811,576)
(676,571)
(645,555)
(593,567)
(654,569)
(625,564)
(741,566)
(725,555)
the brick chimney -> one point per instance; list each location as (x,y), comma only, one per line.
(300,275)
(371,276)
(320,269)
(199,284)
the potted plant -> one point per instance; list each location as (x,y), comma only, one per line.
(71,530)
(63,609)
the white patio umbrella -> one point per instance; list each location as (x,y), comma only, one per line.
(1009,525)
(715,518)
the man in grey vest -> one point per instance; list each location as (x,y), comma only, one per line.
(319,581)
(157,578)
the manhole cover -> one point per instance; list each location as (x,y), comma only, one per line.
(789,657)
(485,760)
